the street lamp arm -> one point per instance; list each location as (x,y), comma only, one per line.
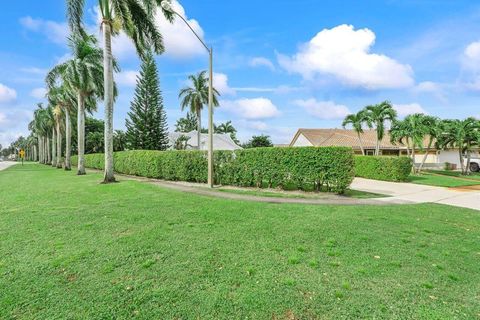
(189,26)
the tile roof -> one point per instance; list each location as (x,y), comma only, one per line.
(346,138)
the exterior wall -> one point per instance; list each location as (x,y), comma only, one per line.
(450,156)
(302,142)
(431,158)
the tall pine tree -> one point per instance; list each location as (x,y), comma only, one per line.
(147,121)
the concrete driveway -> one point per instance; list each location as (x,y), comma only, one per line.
(6,164)
(416,193)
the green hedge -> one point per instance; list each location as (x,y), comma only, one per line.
(383,168)
(323,169)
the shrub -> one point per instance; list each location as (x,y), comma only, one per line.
(383,168)
(322,169)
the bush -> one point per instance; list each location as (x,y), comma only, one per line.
(322,169)
(383,168)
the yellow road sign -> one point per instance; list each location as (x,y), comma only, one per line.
(22,153)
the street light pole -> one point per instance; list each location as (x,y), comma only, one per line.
(210,123)
(167,7)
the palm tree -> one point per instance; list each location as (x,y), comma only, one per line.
(50,127)
(84,75)
(36,127)
(416,126)
(356,120)
(399,132)
(137,19)
(431,125)
(196,96)
(58,116)
(377,115)
(225,128)
(461,134)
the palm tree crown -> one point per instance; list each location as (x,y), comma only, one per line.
(195,97)
(378,115)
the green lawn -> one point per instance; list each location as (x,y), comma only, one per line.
(472,175)
(71,248)
(440,180)
(349,193)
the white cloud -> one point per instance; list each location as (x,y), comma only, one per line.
(344,53)
(261,62)
(38,93)
(283,89)
(327,110)
(7,94)
(13,123)
(127,78)
(34,70)
(256,125)
(54,31)
(471,66)
(257,108)
(427,86)
(178,39)
(220,82)
(407,109)
(432,88)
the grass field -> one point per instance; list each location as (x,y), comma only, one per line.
(71,248)
(349,193)
(458,174)
(443,180)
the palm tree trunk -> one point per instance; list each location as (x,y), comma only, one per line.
(49,154)
(81,134)
(413,159)
(462,165)
(199,128)
(54,147)
(40,153)
(44,151)
(108,83)
(361,143)
(59,147)
(39,149)
(426,155)
(68,140)
(469,157)
(408,147)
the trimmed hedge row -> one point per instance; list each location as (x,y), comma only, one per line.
(323,169)
(383,168)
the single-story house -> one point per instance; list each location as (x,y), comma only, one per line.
(220,141)
(349,138)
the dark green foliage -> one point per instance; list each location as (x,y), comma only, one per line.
(383,168)
(187,124)
(322,169)
(95,135)
(261,141)
(119,140)
(227,128)
(147,121)
(94,142)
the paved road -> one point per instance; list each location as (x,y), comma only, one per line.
(420,193)
(6,164)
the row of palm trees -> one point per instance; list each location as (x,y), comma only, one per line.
(77,85)
(413,131)
(136,18)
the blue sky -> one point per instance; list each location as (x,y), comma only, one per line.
(280,65)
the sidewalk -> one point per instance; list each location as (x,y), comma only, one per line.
(5,164)
(419,193)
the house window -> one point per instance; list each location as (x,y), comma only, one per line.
(370,152)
